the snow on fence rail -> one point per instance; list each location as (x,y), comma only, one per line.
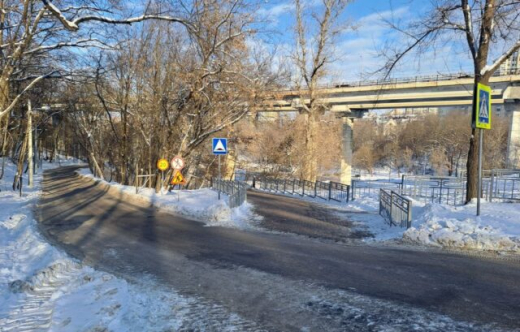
(331,191)
(394,208)
(236,190)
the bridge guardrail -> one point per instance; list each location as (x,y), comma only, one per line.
(425,78)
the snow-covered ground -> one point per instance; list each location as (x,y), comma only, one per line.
(379,173)
(41,288)
(440,225)
(201,204)
(497,228)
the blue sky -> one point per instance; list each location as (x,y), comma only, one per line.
(357,49)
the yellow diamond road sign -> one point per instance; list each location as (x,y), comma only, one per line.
(483,109)
(178,178)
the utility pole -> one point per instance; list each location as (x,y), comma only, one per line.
(30,152)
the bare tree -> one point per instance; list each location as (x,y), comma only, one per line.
(37,29)
(485,25)
(364,158)
(150,101)
(314,52)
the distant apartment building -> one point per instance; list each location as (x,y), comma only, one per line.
(511,65)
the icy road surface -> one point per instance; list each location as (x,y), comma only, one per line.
(277,282)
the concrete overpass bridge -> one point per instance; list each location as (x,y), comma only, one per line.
(352,100)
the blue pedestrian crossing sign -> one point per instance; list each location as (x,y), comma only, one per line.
(483,109)
(220,146)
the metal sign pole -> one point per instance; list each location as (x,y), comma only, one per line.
(219,177)
(479,193)
(162,181)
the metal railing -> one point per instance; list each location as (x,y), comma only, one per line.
(394,208)
(397,80)
(364,187)
(504,184)
(236,191)
(325,190)
(496,184)
(442,190)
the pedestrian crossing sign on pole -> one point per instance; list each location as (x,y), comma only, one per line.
(220,146)
(483,109)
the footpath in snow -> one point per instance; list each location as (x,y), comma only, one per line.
(41,288)
(201,204)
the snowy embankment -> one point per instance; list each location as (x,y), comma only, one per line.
(41,288)
(201,204)
(439,225)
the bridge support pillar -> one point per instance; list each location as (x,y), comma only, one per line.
(347,138)
(513,142)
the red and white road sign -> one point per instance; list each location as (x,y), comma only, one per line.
(177,163)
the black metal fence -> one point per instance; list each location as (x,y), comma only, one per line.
(442,190)
(497,184)
(330,191)
(363,187)
(236,191)
(504,184)
(501,184)
(394,208)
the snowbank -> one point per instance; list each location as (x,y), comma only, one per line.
(41,288)
(443,226)
(497,229)
(202,204)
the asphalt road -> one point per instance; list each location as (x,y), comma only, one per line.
(280,282)
(291,215)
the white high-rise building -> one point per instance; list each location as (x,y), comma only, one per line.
(511,65)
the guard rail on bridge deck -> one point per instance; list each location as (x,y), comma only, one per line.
(424,78)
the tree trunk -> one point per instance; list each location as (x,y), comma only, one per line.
(30,151)
(472,167)
(17,183)
(96,166)
(310,165)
